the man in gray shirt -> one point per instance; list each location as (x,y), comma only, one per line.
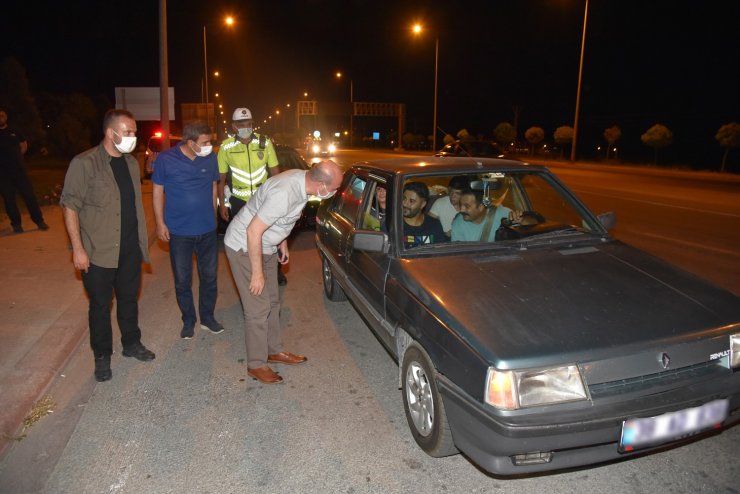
(255,242)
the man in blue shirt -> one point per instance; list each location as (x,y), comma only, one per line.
(187,175)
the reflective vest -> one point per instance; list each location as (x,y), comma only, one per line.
(248,163)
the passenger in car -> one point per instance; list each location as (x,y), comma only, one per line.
(375,219)
(419,228)
(446,208)
(478,222)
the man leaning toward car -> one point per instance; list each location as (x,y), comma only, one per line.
(105,221)
(187,175)
(419,228)
(256,240)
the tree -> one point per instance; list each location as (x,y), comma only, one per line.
(504,133)
(563,135)
(729,137)
(612,135)
(448,138)
(534,136)
(16,98)
(464,135)
(71,122)
(658,136)
(408,140)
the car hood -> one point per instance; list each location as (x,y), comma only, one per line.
(548,305)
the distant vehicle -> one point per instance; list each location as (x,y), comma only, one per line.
(321,148)
(472,149)
(153,148)
(539,342)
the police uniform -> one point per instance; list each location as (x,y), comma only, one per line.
(248,164)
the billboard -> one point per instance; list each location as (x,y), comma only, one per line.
(143,102)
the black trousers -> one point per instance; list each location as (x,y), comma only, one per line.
(14,183)
(100,284)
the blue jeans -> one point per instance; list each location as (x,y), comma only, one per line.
(205,248)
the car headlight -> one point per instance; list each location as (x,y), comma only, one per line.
(332,148)
(735,351)
(316,148)
(510,390)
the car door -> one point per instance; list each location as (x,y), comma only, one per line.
(343,214)
(367,271)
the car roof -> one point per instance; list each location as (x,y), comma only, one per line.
(456,165)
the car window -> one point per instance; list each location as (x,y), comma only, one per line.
(351,199)
(290,160)
(547,201)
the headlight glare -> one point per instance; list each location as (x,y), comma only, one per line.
(316,148)
(332,148)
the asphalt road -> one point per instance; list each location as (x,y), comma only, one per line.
(192,421)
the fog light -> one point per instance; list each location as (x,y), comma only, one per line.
(536,458)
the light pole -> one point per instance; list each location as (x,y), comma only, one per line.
(578,93)
(417,30)
(351,108)
(229,21)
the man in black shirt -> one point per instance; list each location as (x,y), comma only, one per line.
(13,178)
(419,228)
(105,220)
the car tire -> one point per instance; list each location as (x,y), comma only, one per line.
(332,290)
(425,411)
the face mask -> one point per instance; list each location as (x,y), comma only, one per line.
(326,194)
(127,144)
(204,151)
(244,132)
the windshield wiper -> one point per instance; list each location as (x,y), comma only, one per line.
(560,232)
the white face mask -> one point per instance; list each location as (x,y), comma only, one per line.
(244,132)
(326,194)
(204,151)
(127,144)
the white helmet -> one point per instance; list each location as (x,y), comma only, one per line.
(241,114)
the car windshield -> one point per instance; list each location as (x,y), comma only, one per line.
(490,210)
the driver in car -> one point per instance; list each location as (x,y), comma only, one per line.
(478,222)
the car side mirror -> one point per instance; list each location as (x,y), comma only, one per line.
(608,220)
(370,241)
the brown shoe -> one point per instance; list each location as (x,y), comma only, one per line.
(265,375)
(286,358)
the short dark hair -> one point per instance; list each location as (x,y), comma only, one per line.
(420,188)
(477,194)
(460,182)
(193,130)
(114,114)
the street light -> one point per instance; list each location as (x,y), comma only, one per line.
(229,21)
(351,109)
(578,93)
(417,30)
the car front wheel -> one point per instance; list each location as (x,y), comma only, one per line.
(332,289)
(422,402)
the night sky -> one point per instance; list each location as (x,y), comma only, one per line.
(646,62)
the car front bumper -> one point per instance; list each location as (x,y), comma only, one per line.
(527,443)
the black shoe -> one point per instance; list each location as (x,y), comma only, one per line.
(282,280)
(138,351)
(187,331)
(102,368)
(43,226)
(214,326)
(17,229)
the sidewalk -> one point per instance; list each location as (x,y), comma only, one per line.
(43,313)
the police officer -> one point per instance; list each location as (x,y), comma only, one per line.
(251,159)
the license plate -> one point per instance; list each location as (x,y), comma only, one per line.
(651,431)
